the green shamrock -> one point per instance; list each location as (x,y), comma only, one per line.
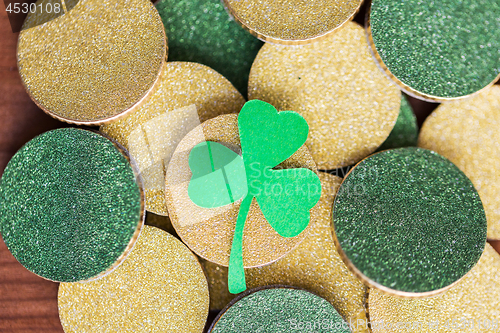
(284,196)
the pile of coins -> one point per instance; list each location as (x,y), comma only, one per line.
(149,216)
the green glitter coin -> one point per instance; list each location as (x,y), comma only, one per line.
(70,206)
(202,31)
(438,50)
(279,310)
(405,131)
(409,222)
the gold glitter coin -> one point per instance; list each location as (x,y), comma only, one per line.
(473,305)
(349,104)
(209,232)
(292,21)
(187,94)
(94,63)
(160,287)
(314,265)
(217,284)
(466,132)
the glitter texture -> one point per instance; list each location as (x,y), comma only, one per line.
(277,310)
(292,21)
(350,106)
(409,222)
(313,265)
(217,284)
(473,305)
(69,204)
(209,232)
(159,221)
(202,31)
(159,288)
(437,50)
(405,131)
(467,133)
(93,63)
(187,94)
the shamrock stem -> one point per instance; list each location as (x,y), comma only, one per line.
(236,275)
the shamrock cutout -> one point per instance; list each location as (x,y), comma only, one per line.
(284,196)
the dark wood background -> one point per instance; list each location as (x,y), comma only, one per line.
(29,303)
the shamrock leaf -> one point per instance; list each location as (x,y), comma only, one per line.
(216,170)
(284,196)
(268,137)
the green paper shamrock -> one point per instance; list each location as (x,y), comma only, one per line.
(216,170)
(284,196)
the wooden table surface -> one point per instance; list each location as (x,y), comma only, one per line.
(29,303)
